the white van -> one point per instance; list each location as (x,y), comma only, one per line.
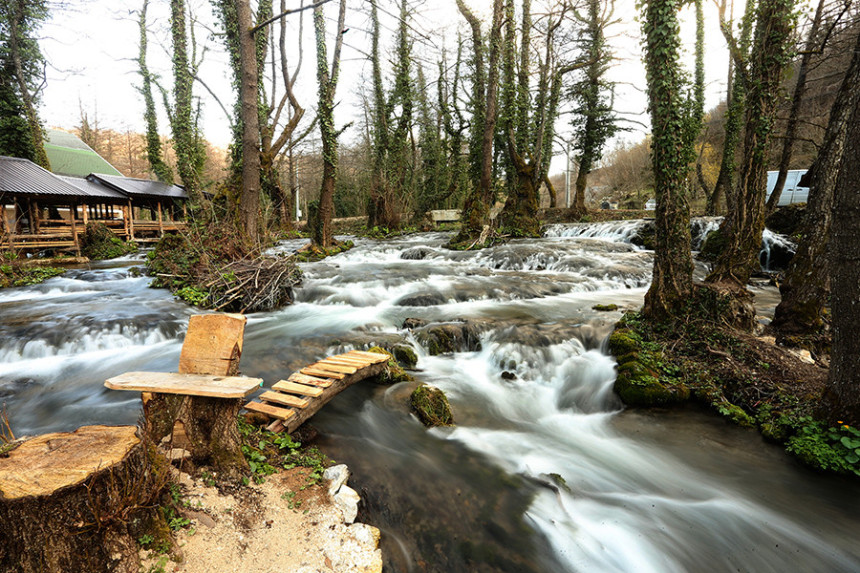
(791,192)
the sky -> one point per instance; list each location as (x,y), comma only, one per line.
(91,46)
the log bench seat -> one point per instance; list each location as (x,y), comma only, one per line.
(196,408)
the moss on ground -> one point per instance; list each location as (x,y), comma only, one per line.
(605,307)
(314,253)
(15,275)
(748,380)
(432,407)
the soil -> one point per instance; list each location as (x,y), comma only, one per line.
(278,526)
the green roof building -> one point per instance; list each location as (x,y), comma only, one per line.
(71,156)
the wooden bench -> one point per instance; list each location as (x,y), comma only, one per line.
(196,408)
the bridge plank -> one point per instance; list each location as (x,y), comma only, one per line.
(284,399)
(314,370)
(187,384)
(348,361)
(372,356)
(310,380)
(334,367)
(293,388)
(273,411)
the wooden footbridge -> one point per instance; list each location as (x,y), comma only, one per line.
(294,400)
(208,379)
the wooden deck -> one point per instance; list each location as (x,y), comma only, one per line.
(293,401)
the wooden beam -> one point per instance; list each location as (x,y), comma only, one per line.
(73,208)
(311,371)
(334,367)
(160,221)
(130,220)
(186,384)
(310,380)
(213,344)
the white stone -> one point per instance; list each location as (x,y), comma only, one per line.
(347,501)
(365,534)
(337,475)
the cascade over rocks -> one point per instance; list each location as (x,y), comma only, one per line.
(449,337)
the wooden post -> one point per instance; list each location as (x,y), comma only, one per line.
(130,220)
(160,221)
(3,223)
(185,211)
(31,217)
(85,213)
(73,208)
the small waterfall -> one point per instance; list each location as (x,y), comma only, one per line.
(621,231)
(776,251)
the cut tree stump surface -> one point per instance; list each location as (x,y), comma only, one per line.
(308,390)
(42,465)
(186,384)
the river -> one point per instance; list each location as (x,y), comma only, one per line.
(544,472)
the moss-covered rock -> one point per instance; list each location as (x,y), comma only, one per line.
(639,386)
(432,407)
(605,307)
(449,338)
(405,356)
(99,242)
(624,341)
(393,372)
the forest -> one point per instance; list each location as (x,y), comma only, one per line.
(622,280)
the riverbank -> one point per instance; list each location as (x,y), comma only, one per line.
(283,524)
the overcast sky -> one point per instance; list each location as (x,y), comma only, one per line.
(91,46)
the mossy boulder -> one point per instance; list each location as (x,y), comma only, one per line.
(405,356)
(640,386)
(432,407)
(624,341)
(393,372)
(605,307)
(449,338)
(99,242)
(645,236)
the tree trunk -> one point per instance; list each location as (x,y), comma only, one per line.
(796,100)
(71,501)
(184,136)
(744,226)
(15,49)
(249,202)
(520,215)
(672,280)
(327,85)
(577,207)
(806,286)
(477,206)
(842,398)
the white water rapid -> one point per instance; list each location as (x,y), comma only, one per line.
(544,471)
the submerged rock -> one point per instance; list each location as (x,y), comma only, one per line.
(422,299)
(416,253)
(449,337)
(432,407)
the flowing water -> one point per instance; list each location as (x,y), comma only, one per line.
(544,471)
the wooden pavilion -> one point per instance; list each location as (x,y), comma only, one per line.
(40,210)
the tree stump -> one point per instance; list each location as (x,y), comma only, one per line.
(66,500)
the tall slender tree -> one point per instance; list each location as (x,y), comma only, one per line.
(327,78)
(594,120)
(186,141)
(671,154)
(484,100)
(22,64)
(762,76)
(806,286)
(153,140)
